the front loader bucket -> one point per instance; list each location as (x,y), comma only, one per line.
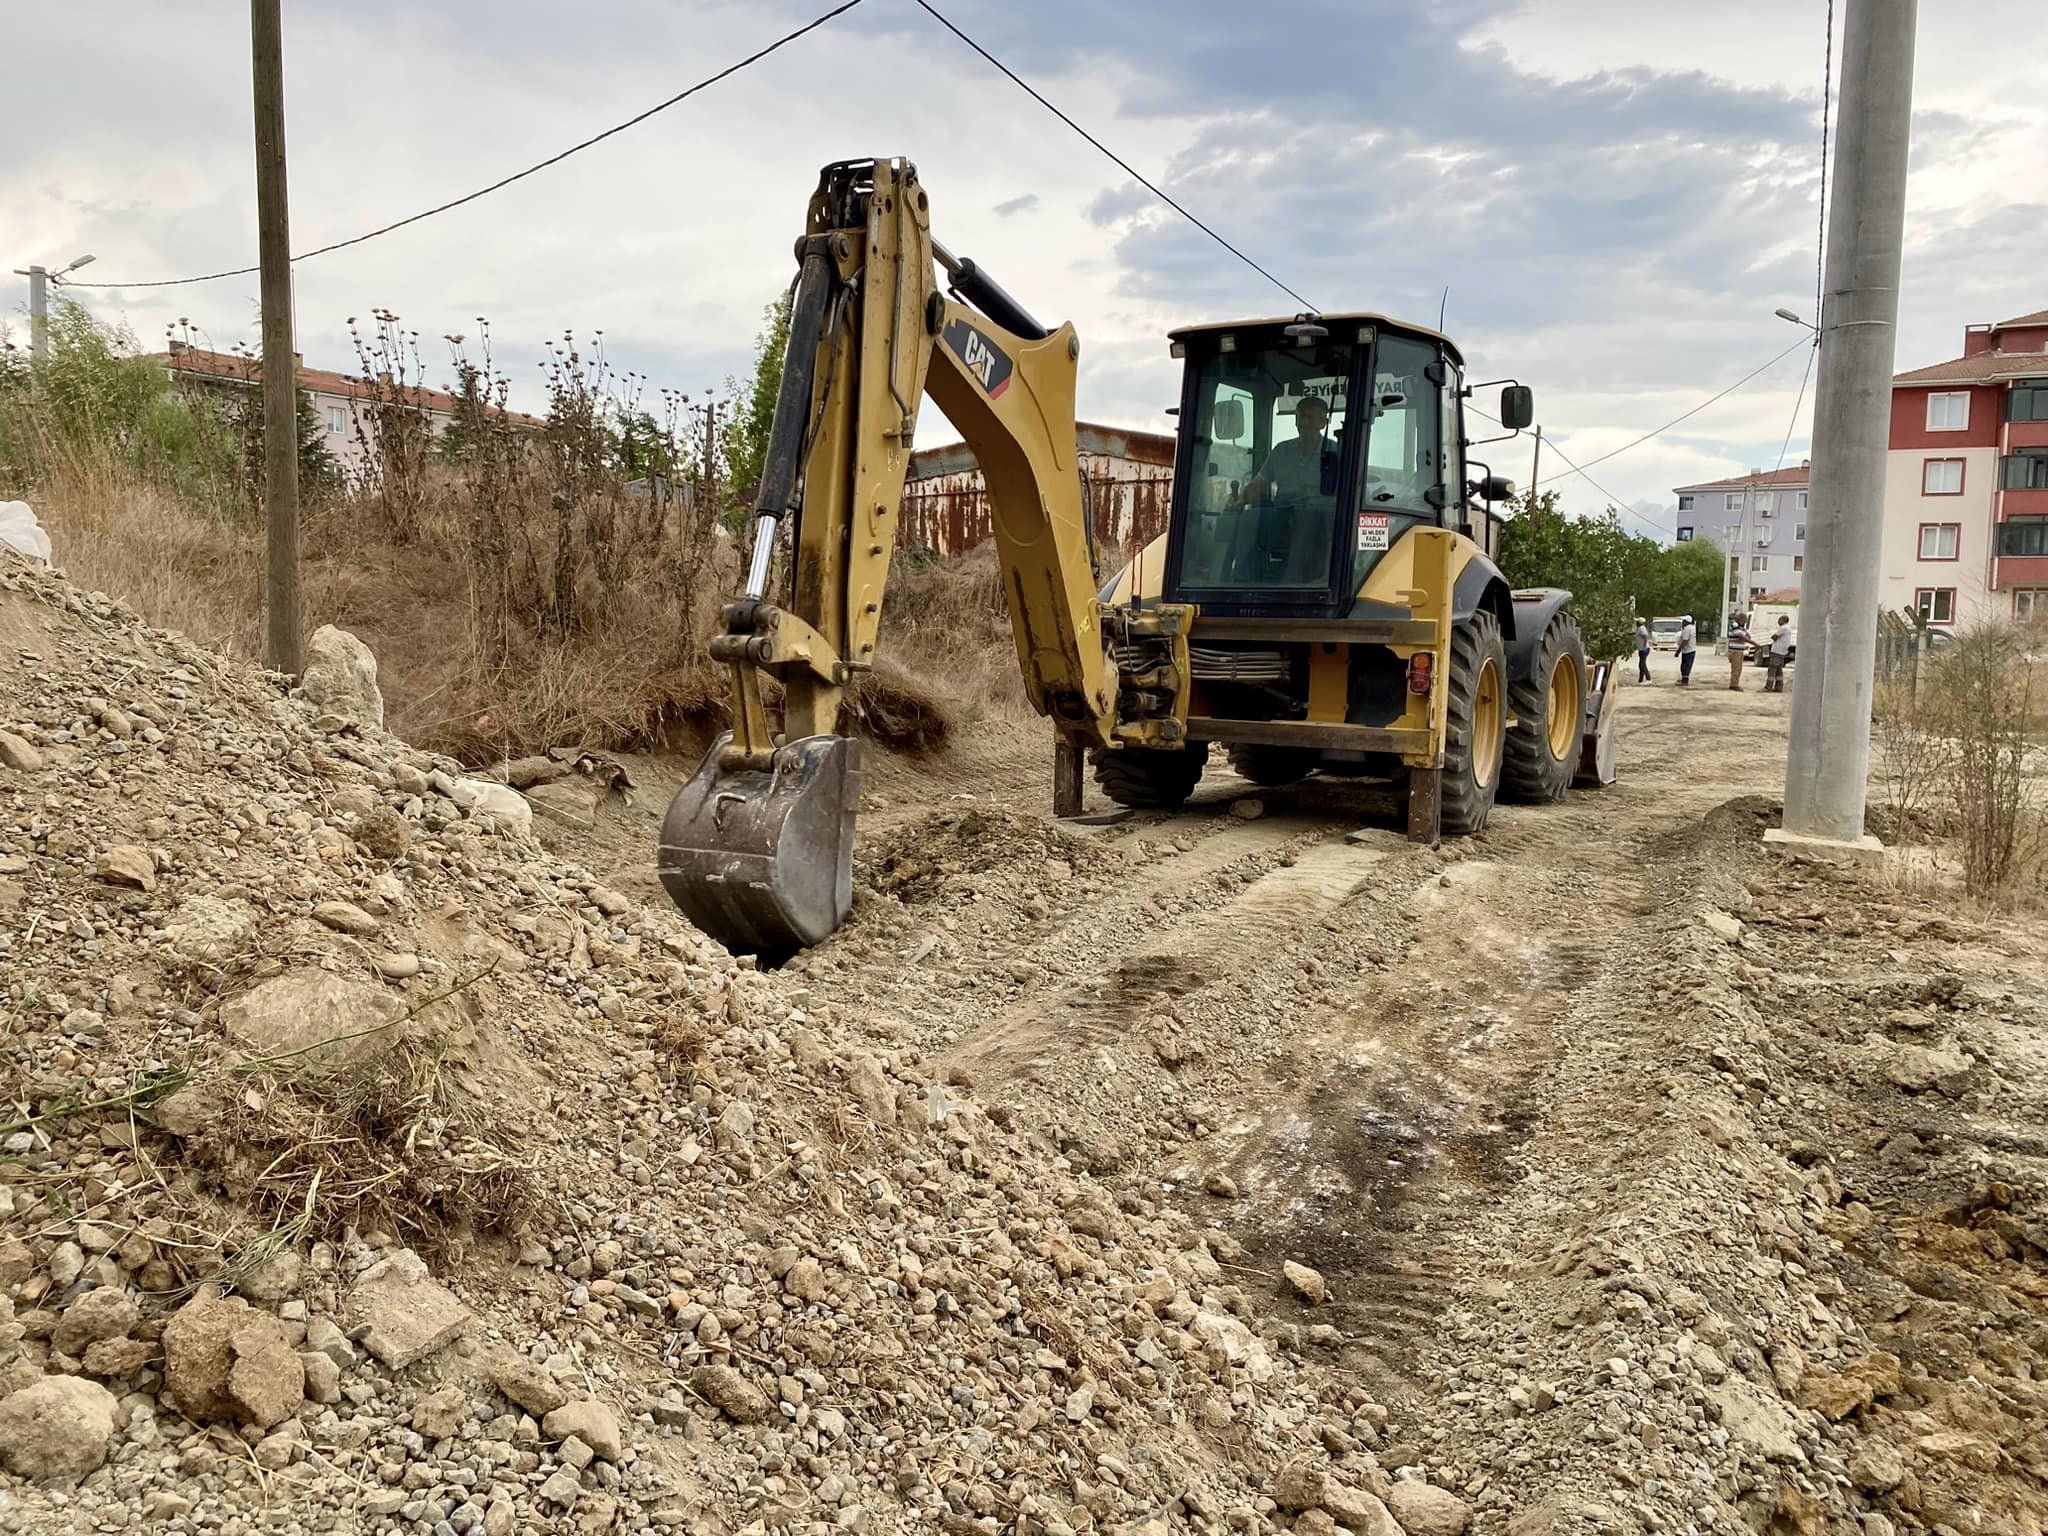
(763,860)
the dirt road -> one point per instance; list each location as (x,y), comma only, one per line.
(1358,1021)
(1619,1144)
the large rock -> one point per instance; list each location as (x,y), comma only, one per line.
(527,1384)
(1357,1510)
(407,1313)
(60,1426)
(730,1393)
(340,679)
(592,1423)
(207,933)
(315,1021)
(101,1313)
(1299,1485)
(1423,1509)
(127,864)
(224,1360)
(1917,1068)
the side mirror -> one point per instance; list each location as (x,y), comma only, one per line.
(1517,407)
(1496,487)
(1228,422)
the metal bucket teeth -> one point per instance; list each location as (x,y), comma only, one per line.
(763,860)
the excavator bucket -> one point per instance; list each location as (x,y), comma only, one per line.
(762,860)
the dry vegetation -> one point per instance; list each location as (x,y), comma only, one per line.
(525,582)
(1961,748)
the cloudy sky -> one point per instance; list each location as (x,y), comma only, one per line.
(1617,195)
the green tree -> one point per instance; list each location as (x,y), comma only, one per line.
(746,439)
(1685,578)
(1595,558)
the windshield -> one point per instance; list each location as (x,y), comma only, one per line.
(1264,465)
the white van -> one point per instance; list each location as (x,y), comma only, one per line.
(1664,633)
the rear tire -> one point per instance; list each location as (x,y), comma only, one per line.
(1549,704)
(1269,766)
(1150,778)
(1476,727)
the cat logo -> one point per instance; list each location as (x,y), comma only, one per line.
(989,364)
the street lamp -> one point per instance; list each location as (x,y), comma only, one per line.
(40,280)
(1785,314)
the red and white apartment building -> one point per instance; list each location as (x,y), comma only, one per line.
(1966,486)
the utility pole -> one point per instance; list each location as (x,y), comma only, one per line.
(1735,590)
(38,312)
(40,281)
(283,638)
(1535,463)
(1830,757)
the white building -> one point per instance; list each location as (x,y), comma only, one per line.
(1759,522)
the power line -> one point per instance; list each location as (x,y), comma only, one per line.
(1613,500)
(1797,401)
(1660,431)
(1551,443)
(1121,162)
(506,181)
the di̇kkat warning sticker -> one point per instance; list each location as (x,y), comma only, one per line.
(1372,530)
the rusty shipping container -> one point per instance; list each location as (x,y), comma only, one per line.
(1130,490)
(1130,485)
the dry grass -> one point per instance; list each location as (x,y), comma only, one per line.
(383,1144)
(946,623)
(1962,760)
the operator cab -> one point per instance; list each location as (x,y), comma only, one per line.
(1307,448)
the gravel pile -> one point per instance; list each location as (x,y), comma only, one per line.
(368,1168)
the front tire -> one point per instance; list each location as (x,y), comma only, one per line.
(1476,727)
(1550,711)
(1150,778)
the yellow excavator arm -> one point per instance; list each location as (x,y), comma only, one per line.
(757,848)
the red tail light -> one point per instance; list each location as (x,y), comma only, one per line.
(1421,668)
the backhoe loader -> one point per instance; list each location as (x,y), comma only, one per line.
(1317,603)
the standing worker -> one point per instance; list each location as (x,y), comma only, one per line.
(1738,649)
(1781,653)
(1688,647)
(1642,650)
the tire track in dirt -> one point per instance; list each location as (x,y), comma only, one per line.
(1351,1032)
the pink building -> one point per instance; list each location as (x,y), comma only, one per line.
(1966,488)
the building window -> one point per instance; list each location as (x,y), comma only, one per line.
(1685,535)
(1755,593)
(1685,503)
(1799,532)
(1802,501)
(337,420)
(1763,503)
(2024,537)
(1732,502)
(1938,540)
(1941,477)
(2026,470)
(1798,564)
(1937,605)
(1948,411)
(1759,562)
(2028,401)
(2030,603)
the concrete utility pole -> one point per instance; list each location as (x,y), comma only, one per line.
(40,281)
(283,637)
(1830,757)
(1535,464)
(38,312)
